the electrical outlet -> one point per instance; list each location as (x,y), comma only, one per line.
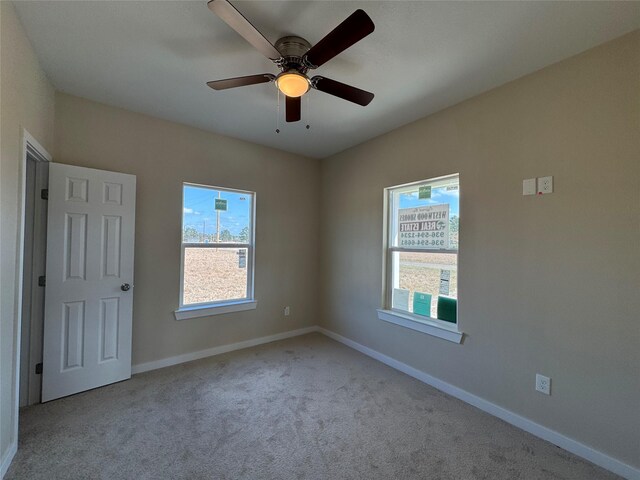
(287,311)
(543,384)
(545,185)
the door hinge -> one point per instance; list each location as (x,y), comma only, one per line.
(38,368)
(44,194)
(42,281)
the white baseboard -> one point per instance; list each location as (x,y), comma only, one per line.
(573,446)
(8,457)
(188,357)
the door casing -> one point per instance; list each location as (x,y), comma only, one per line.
(30,148)
(34,265)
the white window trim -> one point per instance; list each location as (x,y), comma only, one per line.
(428,325)
(206,309)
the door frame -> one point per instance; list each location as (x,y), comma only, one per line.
(30,147)
(37,176)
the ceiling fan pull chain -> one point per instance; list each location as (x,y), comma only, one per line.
(278,112)
(308,109)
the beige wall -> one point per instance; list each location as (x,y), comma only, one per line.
(163,155)
(547,284)
(26,102)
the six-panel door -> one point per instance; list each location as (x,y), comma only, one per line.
(88,312)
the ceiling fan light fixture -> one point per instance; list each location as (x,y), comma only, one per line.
(293,84)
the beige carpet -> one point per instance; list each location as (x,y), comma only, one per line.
(304,408)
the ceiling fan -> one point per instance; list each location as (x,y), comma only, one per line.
(295,57)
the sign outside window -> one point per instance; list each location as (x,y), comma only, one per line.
(424,227)
(424,192)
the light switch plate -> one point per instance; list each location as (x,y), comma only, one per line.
(545,185)
(529,186)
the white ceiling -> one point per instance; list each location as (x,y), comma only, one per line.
(154,57)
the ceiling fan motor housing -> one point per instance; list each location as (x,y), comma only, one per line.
(292,49)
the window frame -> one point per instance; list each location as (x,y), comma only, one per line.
(200,309)
(426,324)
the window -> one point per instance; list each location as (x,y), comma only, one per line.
(422,250)
(217,251)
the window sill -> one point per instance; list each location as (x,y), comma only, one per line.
(185,313)
(428,325)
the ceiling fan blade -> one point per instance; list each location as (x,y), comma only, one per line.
(342,90)
(357,26)
(292,106)
(240,24)
(241,81)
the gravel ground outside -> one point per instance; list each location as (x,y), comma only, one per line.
(213,274)
(418,275)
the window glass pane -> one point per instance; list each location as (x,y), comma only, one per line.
(214,274)
(419,278)
(213,216)
(424,218)
(426,215)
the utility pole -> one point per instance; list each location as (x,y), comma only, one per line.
(218,222)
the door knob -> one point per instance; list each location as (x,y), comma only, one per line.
(125,287)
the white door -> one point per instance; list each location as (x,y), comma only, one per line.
(89,280)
